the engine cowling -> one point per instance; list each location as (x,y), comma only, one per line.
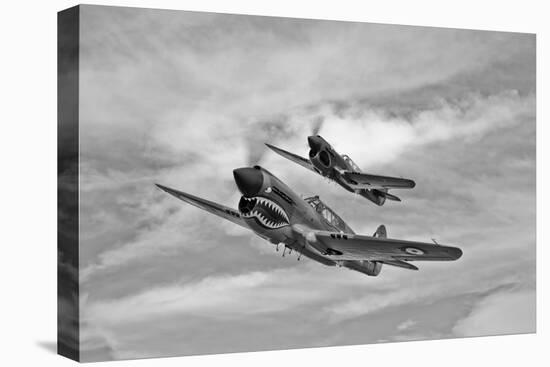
(321,160)
(324,158)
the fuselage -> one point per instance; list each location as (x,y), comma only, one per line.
(273,211)
(329,163)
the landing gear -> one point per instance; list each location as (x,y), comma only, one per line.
(301,252)
(290,249)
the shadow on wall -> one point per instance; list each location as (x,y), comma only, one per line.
(50,346)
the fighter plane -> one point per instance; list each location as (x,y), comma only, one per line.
(309,227)
(324,160)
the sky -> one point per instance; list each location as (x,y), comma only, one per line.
(183,98)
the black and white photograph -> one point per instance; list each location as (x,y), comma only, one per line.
(223,161)
(274,183)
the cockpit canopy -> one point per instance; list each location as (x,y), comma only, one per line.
(351,163)
(330,217)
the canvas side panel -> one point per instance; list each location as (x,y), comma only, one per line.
(67,183)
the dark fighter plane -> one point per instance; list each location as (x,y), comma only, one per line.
(273,211)
(324,160)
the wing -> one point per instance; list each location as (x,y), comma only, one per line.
(220,210)
(357,247)
(293,157)
(366,181)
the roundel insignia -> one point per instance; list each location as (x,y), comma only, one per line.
(413,251)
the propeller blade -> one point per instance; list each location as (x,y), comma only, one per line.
(317,124)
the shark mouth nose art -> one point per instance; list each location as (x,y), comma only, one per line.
(266,212)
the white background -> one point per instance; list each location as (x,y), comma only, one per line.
(28,181)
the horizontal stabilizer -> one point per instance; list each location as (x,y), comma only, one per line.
(387,195)
(400,264)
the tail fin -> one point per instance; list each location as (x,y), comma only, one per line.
(380,232)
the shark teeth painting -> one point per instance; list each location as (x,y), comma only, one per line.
(266,212)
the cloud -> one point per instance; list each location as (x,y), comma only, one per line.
(397,288)
(511,312)
(169,226)
(227,296)
(375,138)
(405,325)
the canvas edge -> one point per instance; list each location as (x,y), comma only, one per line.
(68,322)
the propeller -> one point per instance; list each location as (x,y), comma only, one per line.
(271,131)
(264,131)
(317,124)
(255,153)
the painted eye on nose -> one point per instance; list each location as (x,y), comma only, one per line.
(268,190)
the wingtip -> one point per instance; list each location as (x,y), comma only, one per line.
(170,191)
(455,253)
(458,253)
(163,188)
